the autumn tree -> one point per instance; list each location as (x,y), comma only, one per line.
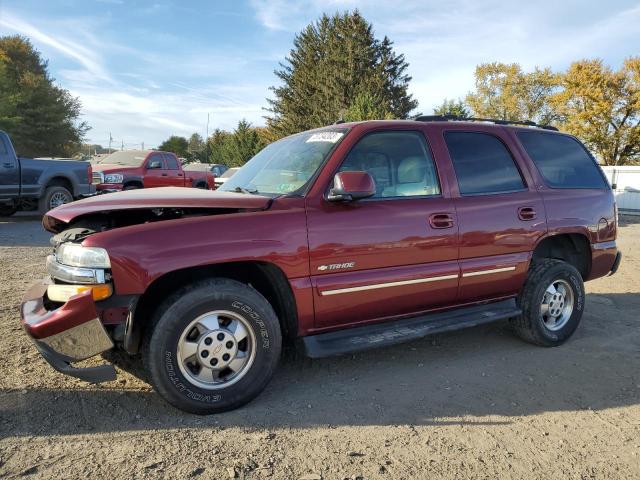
(335,62)
(456,108)
(42,118)
(506,92)
(602,108)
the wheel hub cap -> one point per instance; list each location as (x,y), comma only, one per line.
(216,349)
(557,305)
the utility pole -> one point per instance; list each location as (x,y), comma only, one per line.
(110,140)
(143,145)
(206,140)
(122,147)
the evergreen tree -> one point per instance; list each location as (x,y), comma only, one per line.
(334,61)
(452,107)
(42,118)
(196,149)
(175,144)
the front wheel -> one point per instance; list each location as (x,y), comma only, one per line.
(552,303)
(213,346)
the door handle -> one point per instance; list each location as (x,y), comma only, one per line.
(527,213)
(179,174)
(441,220)
(7,165)
(164,174)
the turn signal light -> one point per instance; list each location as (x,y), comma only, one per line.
(62,293)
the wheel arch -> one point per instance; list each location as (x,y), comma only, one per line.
(59,181)
(571,247)
(268,279)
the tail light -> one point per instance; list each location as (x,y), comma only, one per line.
(90,173)
(615,209)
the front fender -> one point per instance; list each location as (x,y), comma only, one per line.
(142,253)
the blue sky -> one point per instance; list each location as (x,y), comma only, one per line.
(145,70)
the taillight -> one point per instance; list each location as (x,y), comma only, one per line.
(90,173)
(615,209)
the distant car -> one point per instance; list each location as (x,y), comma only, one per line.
(134,169)
(39,184)
(216,168)
(218,181)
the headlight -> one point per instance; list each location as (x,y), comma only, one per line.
(75,255)
(113,178)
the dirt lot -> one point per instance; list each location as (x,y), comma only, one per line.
(474,404)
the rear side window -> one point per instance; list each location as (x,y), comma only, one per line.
(562,160)
(172,163)
(482,164)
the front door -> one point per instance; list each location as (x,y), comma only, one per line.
(9,172)
(501,215)
(155,172)
(389,255)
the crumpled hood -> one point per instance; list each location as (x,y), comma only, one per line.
(165,197)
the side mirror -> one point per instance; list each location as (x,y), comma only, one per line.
(350,186)
(153,164)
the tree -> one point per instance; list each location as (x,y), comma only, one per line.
(196,151)
(367,106)
(175,144)
(505,92)
(602,108)
(234,149)
(333,62)
(452,107)
(42,118)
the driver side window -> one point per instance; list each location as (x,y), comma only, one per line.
(399,162)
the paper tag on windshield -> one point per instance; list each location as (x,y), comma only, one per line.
(331,137)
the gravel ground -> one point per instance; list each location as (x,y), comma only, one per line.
(472,404)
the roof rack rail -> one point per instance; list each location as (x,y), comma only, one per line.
(497,121)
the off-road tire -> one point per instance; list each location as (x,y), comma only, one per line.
(44,204)
(160,345)
(132,187)
(530,325)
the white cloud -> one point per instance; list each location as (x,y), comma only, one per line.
(86,57)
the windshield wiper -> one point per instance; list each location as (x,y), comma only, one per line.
(245,190)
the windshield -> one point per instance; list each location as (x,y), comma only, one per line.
(286,165)
(132,158)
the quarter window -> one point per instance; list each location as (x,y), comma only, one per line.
(562,160)
(399,162)
(482,163)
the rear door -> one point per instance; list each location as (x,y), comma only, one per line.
(501,214)
(393,254)
(175,175)
(9,171)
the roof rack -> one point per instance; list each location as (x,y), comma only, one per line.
(455,118)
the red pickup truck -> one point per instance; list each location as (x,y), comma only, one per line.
(339,239)
(134,169)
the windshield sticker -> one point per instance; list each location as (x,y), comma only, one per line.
(331,137)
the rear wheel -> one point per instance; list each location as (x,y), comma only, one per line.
(132,187)
(214,346)
(54,197)
(7,211)
(552,303)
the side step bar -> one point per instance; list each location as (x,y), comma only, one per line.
(390,333)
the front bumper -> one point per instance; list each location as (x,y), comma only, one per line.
(67,334)
(108,188)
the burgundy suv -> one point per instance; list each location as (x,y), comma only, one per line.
(344,238)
